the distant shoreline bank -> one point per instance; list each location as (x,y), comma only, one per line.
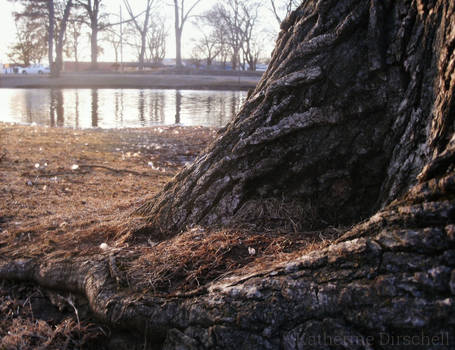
(132,81)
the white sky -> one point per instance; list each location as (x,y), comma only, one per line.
(7,28)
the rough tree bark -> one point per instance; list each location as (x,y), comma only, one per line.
(336,127)
(357,102)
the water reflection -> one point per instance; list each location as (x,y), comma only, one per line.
(119,107)
(141,107)
(178,106)
(157,103)
(59,107)
(56,108)
(76,108)
(116,108)
(94,109)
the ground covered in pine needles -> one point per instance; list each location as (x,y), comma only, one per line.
(68,193)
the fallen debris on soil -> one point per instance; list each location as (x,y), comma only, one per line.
(64,195)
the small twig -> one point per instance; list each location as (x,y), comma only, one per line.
(54,174)
(119,170)
(28,300)
(70,302)
(90,166)
(196,292)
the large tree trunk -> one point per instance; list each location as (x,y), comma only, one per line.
(338,126)
(93,11)
(144,33)
(178,34)
(142,52)
(94,46)
(178,48)
(50,39)
(357,101)
(60,40)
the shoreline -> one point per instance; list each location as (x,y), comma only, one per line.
(130,81)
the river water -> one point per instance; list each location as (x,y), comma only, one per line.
(119,108)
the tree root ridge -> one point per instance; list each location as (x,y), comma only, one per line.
(391,280)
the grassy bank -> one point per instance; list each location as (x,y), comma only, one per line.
(118,80)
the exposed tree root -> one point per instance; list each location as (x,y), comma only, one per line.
(375,281)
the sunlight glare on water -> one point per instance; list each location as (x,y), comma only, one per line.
(119,108)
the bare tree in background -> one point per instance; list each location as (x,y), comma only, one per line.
(142,28)
(227,15)
(73,37)
(115,39)
(31,41)
(97,21)
(181,16)
(207,47)
(250,47)
(57,14)
(50,33)
(196,57)
(222,38)
(156,41)
(217,42)
(236,22)
(59,41)
(35,10)
(282,8)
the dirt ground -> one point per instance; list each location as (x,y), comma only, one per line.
(56,180)
(50,186)
(67,193)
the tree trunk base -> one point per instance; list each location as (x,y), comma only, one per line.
(387,279)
